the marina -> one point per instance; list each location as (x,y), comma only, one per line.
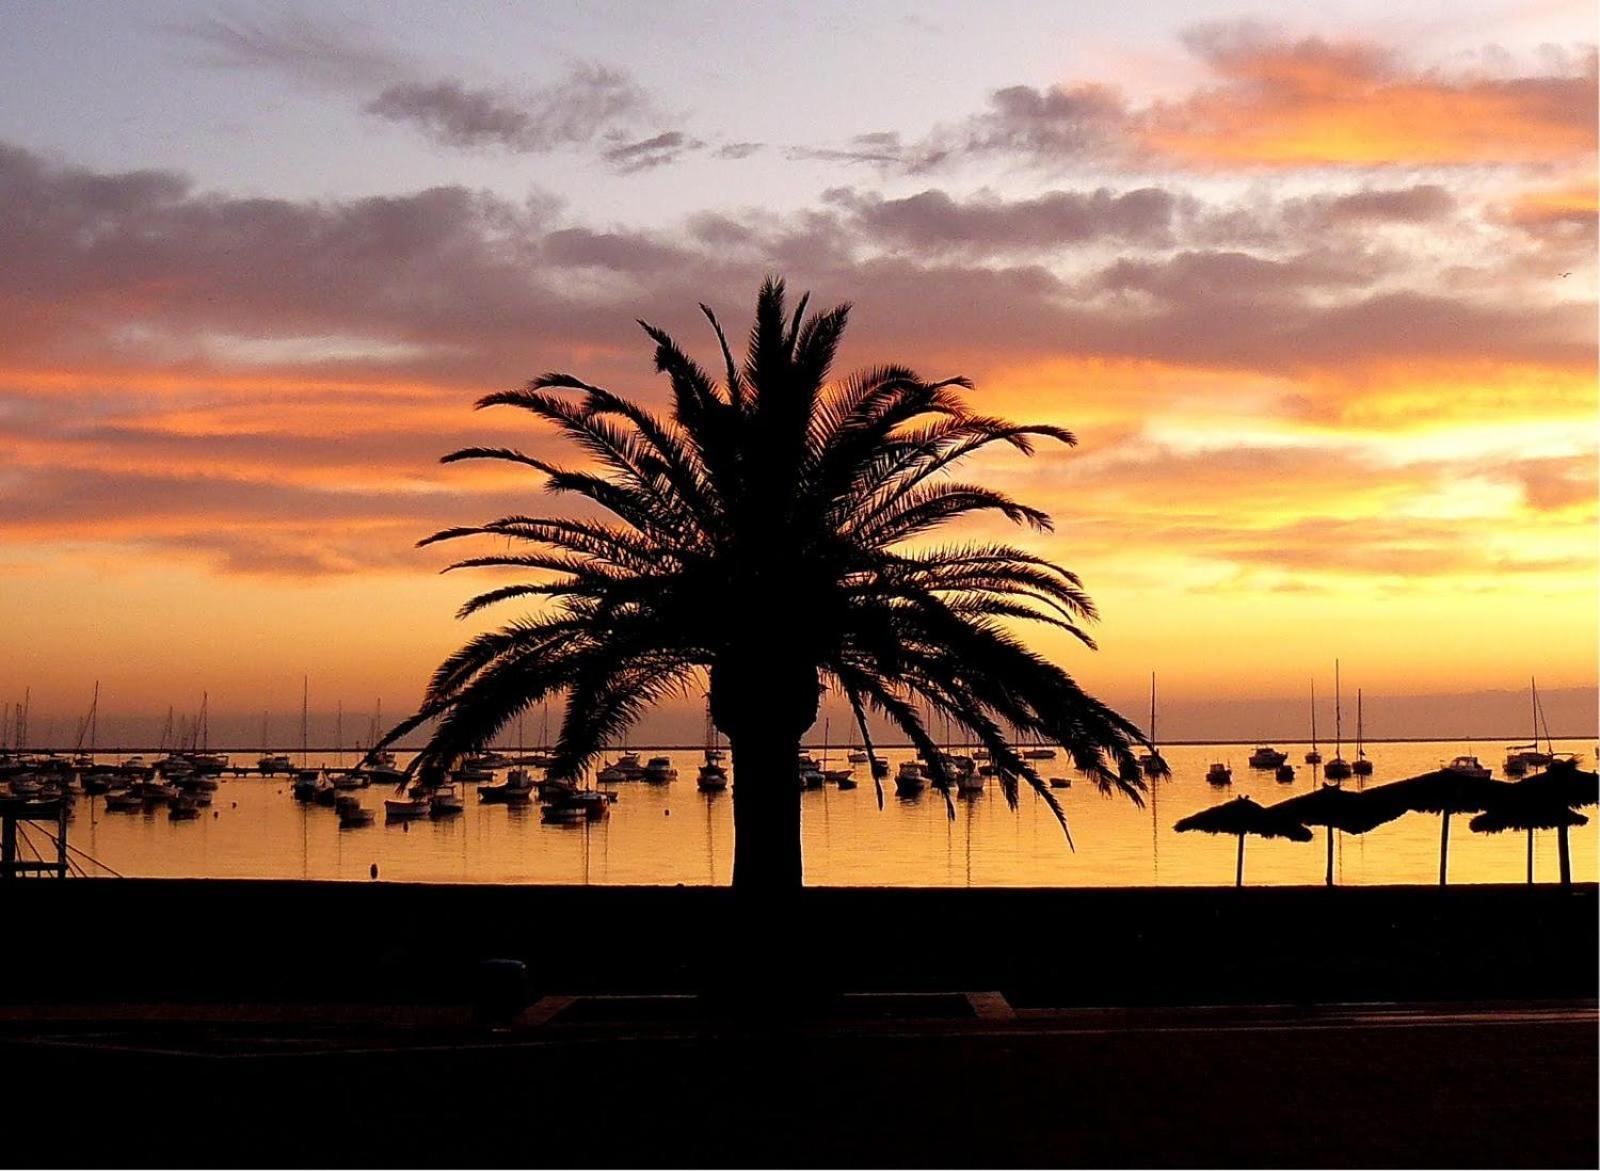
(237,822)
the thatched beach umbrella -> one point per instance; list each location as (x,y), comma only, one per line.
(1545,800)
(1243,816)
(1531,810)
(1339,809)
(1443,791)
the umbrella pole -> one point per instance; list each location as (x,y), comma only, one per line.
(1238,870)
(1444,847)
(1566,858)
(1330,856)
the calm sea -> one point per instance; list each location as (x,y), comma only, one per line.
(675,834)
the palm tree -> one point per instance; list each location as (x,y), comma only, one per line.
(761,533)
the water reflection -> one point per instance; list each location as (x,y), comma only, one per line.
(676,834)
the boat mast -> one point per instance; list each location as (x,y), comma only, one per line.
(305,696)
(1361,751)
(205,721)
(1549,744)
(338,734)
(1313,715)
(1338,716)
(1152,710)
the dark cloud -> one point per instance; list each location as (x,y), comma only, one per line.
(616,251)
(648,153)
(933,221)
(1200,277)
(140,268)
(574,111)
(1420,204)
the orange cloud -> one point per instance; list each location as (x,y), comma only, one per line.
(1319,103)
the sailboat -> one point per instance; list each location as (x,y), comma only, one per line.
(1521,757)
(858,753)
(713,776)
(1313,757)
(1361,766)
(307,780)
(1151,761)
(1338,768)
(271,763)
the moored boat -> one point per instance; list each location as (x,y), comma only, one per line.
(1338,768)
(625,768)
(445,802)
(1361,766)
(1265,756)
(1467,766)
(658,770)
(910,779)
(1219,774)
(405,808)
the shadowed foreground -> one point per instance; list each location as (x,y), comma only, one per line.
(329,1024)
(232,940)
(1223,1087)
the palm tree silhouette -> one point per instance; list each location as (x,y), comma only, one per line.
(760,533)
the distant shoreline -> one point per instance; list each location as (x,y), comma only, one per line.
(898,745)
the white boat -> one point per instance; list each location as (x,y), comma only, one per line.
(275,763)
(712,777)
(658,770)
(518,786)
(1219,774)
(625,768)
(405,808)
(1468,766)
(910,779)
(445,802)
(1265,756)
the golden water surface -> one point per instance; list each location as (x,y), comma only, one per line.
(675,834)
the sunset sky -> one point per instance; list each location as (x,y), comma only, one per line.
(1315,285)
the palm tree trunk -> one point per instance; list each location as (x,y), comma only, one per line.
(1238,870)
(766,811)
(1444,847)
(1566,857)
(1330,856)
